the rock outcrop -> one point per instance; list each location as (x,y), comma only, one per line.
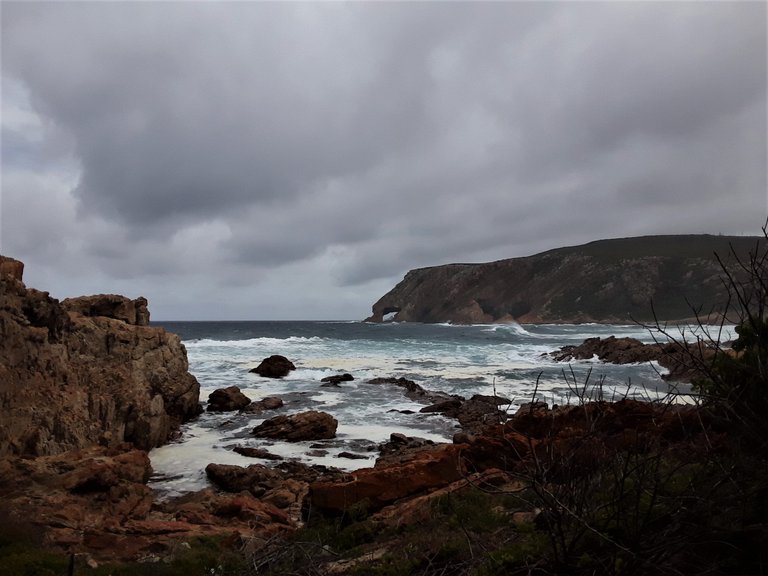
(311,425)
(268,403)
(86,371)
(376,487)
(684,361)
(608,281)
(111,306)
(96,501)
(337,379)
(227,400)
(276,366)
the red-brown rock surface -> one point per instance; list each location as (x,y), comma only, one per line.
(71,378)
(96,501)
(376,487)
(110,306)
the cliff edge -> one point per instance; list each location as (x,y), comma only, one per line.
(606,281)
(85,371)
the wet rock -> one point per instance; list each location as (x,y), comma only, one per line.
(275,366)
(351,456)
(414,391)
(481,411)
(472,414)
(254,478)
(268,403)
(227,400)
(685,361)
(399,438)
(311,425)
(610,349)
(256,453)
(445,407)
(337,379)
(401,448)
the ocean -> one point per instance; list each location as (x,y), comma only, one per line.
(506,359)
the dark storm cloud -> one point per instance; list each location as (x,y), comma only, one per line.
(359,140)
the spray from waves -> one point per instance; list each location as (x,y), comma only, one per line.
(512,328)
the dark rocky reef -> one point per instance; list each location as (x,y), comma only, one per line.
(684,361)
(85,371)
(608,281)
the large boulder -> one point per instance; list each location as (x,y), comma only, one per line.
(275,366)
(72,378)
(227,400)
(311,425)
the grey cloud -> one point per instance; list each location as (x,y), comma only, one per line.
(359,140)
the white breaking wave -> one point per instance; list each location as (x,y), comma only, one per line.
(506,359)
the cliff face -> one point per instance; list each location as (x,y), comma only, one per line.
(610,281)
(85,371)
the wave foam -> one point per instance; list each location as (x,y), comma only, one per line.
(252,342)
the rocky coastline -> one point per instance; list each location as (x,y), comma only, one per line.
(89,386)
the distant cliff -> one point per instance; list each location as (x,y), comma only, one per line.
(609,281)
(85,371)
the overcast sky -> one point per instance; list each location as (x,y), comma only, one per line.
(253,160)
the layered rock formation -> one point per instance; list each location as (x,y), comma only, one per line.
(85,371)
(608,281)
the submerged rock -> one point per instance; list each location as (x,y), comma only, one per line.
(275,366)
(337,379)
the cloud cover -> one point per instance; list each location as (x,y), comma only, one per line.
(293,160)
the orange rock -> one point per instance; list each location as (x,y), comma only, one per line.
(11,267)
(376,487)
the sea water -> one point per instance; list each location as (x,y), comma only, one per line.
(508,360)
